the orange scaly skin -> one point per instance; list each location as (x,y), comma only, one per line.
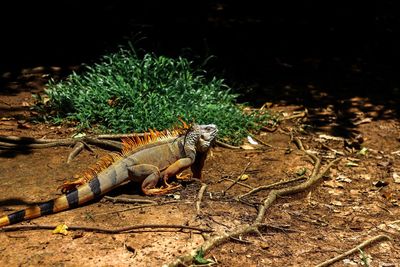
(147,160)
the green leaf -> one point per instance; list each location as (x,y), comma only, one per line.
(199,257)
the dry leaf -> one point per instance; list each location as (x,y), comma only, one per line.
(335,192)
(351,164)
(247,147)
(366,120)
(342,178)
(333,184)
(365,176)
(61,229)
(336,203)
(244,177)
(329,137)
(396,178)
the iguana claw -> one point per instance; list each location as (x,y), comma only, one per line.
(162,191)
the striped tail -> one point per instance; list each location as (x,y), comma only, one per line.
(70,200)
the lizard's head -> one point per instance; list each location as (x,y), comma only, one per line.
(206,136)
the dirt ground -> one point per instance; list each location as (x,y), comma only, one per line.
(356,200)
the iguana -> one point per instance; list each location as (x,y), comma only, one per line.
(149,160)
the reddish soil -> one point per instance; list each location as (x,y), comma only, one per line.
(356,200)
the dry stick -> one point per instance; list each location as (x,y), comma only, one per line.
(104,230)
(239,183)
(265,187)
(299,115)
(110,144)
(225,145)
(129,200)
(333,150)
(118,136)
(261,141)
(77,149)
(200,197)
(136,207)
(238,178)
(254,227)
(379,238)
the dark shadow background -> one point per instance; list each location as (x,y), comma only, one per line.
(314,53)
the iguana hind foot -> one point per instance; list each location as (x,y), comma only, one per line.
(184,177)
(69,186)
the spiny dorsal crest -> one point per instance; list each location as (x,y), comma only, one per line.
(132,143)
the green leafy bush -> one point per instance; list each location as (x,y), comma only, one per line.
(124,93)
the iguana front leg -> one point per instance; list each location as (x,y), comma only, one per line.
(176,167)
(149,175)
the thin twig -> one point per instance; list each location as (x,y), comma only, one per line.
(265,187)
(103,230)
(239,183)
(238,178)
(200,197)
(299,115)
(136,207)
(261,141)
(333,150)
(129,200)
(379,238)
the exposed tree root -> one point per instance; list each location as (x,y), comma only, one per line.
(379,238)
(77,149)
(104,230)
(15,142)
(255,227)
(225,145)
(265,187)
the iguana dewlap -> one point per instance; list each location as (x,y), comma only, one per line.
(147,160)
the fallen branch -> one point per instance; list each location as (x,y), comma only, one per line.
(265,187)
(103,230)
(219,239)
(294,116)
(77,149)
(129,200)
(200,197)
(15,142)
(379,238)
